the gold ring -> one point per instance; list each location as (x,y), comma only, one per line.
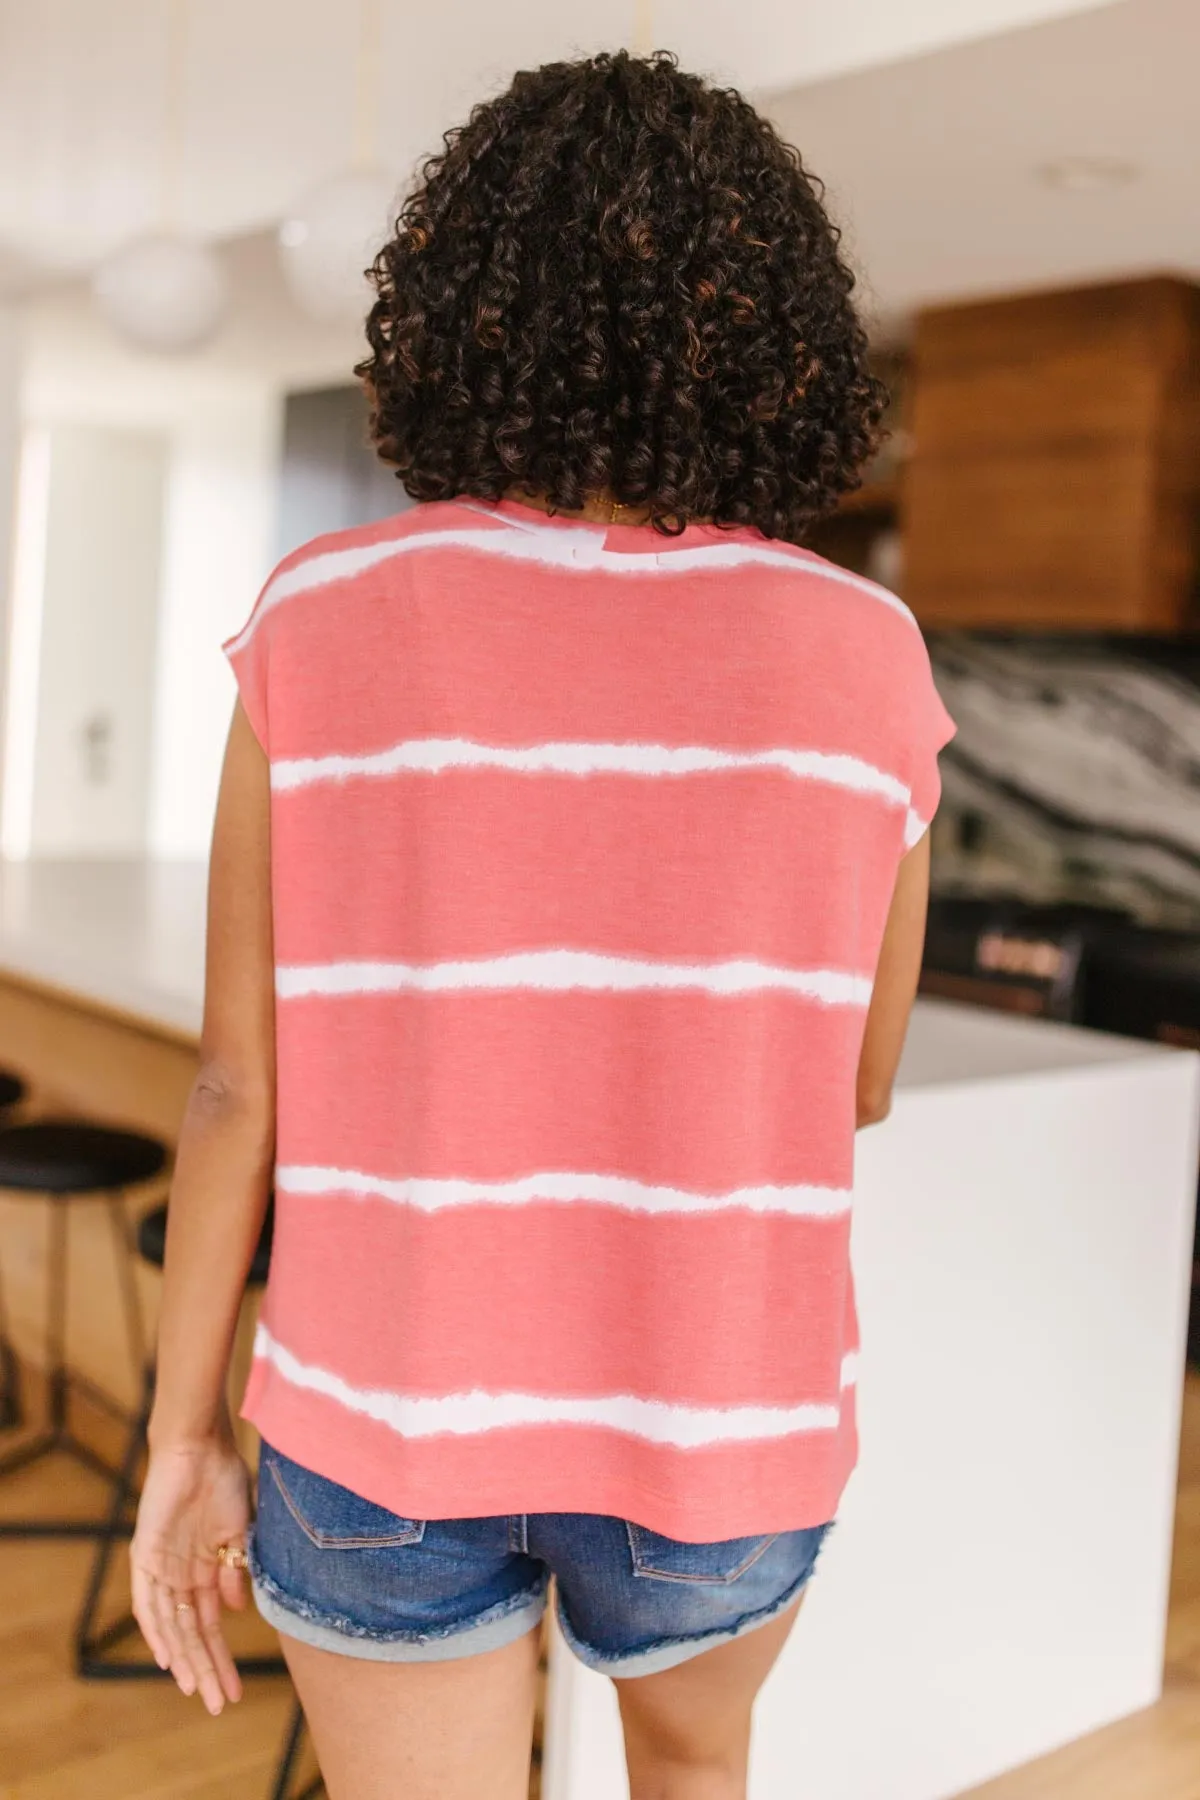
(233,1556)
(182,1606)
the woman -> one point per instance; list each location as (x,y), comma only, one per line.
(567,900)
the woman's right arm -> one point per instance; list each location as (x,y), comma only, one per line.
(896,977)
(195,1495)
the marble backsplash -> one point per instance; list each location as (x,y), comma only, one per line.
(1075,774)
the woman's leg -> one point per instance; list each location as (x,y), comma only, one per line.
(420,1731)
(687,1731)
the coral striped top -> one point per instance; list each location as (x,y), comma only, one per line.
(583,840)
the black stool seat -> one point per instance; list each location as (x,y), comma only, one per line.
(152,1242)
(63,1160)
(62,1156)
(12,1088)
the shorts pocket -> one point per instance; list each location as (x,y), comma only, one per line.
(665,1559)
(332,1517)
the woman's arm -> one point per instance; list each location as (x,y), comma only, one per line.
(895,989)
(227,1143)
(195,1495)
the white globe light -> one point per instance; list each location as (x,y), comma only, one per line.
(329,238)
(162,292)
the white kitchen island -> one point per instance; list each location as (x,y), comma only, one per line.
(997,1583)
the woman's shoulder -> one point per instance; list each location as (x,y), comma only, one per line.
(337,563)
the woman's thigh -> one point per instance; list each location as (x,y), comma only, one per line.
(687,1729)
(420,1731)
(687,1631)
(412,1642)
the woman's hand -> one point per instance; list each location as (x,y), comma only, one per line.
(196,1497)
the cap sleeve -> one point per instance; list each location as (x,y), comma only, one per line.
(931,730)
(248,655)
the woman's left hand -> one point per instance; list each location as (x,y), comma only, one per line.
(196,1499)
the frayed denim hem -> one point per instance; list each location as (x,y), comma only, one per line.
(653,1659)
(491,1630)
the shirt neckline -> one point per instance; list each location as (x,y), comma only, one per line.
(626,537)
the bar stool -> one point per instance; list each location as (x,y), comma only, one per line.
(12,1089)
(293,1739)
(63,1161)
(91,1645)
(12,1092)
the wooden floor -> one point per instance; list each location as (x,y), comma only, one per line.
(1155,1755)
(62,1739)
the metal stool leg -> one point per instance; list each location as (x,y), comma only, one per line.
(123,1247)
(57,1436)
(90,1645)
(12,1413)
(287,1762)
(49,1438)
(56,1320)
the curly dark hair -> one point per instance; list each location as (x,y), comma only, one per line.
(617,280)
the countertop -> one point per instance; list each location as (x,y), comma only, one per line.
(129,937)
(122,936)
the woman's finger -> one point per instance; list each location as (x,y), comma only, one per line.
(231,1580)
(208,1609)
(144,1613)
(165,1601)
(199,1659)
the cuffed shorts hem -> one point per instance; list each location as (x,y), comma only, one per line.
(492,1630)
(653,1659)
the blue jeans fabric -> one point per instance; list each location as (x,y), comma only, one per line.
(338,1571)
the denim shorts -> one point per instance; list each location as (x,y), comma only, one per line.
(346,1575)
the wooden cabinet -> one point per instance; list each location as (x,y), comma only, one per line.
(1054,481)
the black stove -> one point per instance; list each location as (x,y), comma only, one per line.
(1008,953)
(1088,965)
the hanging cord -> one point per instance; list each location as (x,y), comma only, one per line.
(174,77)
(643,27)
(367,83)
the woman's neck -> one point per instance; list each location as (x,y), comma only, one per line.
(596,509)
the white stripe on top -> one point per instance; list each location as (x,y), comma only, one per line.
(433,756)
(470,1414)
(563,549)
(915,827)
(518,524)
(562,970)
(427,1194)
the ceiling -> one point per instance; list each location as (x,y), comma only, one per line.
(75,367)
(266,102)
(930,159)
(932,162)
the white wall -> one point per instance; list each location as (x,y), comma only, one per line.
(102,520)
(219,526)
(220,427)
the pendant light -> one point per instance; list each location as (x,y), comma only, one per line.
(165,291)
(332,232)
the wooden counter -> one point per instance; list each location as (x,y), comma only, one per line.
(101,988)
